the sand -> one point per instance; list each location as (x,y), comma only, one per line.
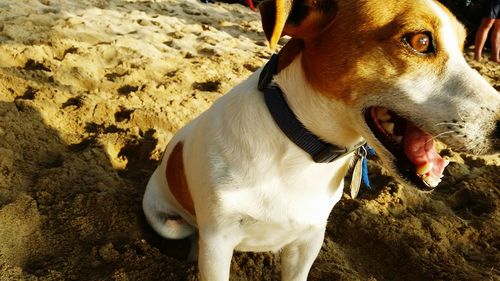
(91,91)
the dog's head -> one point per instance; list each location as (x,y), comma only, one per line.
(398,67)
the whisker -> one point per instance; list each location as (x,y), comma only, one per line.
(437,136)
(447,123)
(461,118)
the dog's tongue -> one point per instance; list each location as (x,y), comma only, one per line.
(419,148)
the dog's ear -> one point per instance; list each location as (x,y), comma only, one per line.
(274,14)
(303,19)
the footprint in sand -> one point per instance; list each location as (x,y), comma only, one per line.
(208,86)
(466,201)
(75,102)
(123,115)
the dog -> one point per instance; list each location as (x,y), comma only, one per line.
(392,73)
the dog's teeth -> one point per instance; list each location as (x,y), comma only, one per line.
(435,182)
(446,162)
(383,114)
(388,127)
(398,139)
(384,118)
(431,181)
(425,168)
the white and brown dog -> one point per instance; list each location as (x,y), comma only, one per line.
(390,72)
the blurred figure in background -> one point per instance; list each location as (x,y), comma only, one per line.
(490,19)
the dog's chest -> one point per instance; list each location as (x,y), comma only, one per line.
(278,212)
(272,235)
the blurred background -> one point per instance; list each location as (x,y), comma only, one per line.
(469,12)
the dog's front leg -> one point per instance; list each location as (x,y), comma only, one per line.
(215,253)
(298,256)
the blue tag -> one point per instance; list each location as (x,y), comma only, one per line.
(366,179)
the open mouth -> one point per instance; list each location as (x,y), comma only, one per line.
(417,160)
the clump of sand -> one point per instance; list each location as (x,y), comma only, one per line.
(90,93)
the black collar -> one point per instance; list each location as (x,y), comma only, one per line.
(320,151)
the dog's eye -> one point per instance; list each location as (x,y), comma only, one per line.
(420,42)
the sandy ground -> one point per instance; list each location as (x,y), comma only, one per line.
(90,93)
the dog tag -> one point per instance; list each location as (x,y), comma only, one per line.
(357,173)
(356,177)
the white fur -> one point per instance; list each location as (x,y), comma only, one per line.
(459,95)
(254,190)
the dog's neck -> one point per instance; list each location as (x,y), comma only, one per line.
(326,118)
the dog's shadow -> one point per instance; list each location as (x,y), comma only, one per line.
(65,211)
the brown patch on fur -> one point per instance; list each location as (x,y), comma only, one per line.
(176,178)
(355,48)
(288,53)
(364,52)
(309,18)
